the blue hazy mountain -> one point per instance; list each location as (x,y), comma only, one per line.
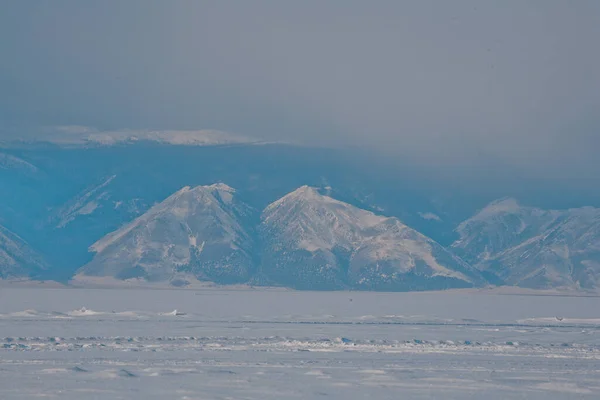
(531,247)
(62,199)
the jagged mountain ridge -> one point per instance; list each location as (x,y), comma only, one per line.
(532,247)
(314,241)
(345,246)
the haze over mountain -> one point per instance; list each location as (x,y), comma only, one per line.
(447,85)
(360,223)
(531,247)
(416,111)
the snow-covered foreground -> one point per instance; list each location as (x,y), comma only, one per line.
(270,344)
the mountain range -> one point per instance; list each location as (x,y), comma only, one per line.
(304,240)
(149,206)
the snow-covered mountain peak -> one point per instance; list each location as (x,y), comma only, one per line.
(533,247)
(198,229)
(303,193)
(345,243)
(306,213)
(181,191)
(498,226)
(215,188)
(180,205)
(221,187)
(506,205)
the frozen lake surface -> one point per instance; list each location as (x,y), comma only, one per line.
(268,344)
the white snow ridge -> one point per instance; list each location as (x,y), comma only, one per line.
(84,203)
(83,136)
(17,259)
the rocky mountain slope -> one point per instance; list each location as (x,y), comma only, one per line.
(198,231)
(314,241)
(304,240)
(17,259)
(531,247)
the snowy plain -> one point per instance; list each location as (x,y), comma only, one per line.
(247,343)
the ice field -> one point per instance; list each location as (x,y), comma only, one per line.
(277,344)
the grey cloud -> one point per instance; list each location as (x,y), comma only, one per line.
(446,83)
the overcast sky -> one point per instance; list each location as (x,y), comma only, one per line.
(443,82)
